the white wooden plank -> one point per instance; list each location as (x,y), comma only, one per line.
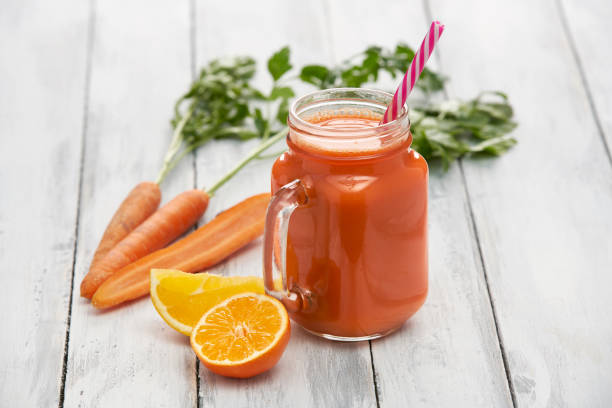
(448,353)
(312,372)
(588,26)
(543,210)
(42,81)
(140,66)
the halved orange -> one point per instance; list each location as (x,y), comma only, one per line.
(242,336)
(182,298)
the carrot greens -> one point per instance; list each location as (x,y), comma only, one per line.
(223,103)
(215,106)
(443,131)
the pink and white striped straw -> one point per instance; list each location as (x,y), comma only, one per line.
(413,73)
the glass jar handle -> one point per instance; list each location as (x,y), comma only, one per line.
(282,205)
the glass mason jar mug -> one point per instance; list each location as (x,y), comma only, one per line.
(346,230)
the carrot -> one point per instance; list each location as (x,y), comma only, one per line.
(167,224)
(157,231)
(208,245)
(140,203)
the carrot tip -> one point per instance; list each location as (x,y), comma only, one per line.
(85,291)
(96,303)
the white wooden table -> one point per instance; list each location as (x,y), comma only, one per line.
(520,306)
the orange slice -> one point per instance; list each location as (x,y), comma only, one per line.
(182,298)
(242,336)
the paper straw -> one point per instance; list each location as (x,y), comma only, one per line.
(413,73)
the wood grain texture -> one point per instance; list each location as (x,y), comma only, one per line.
(312,372)
(140,66)
(448,353)
(543,210)
(42,82)
(588,28)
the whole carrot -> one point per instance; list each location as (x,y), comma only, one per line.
(164,226)
(140,203)
(213,107)
(208,245)
(157,231)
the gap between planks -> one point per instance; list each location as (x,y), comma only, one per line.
(502,348)
(583,78)
(88,64)
(194,156)
(88,61)
(472,222)
(374,375)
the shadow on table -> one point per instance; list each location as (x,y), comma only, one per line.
(333,366)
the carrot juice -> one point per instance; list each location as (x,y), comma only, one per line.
(351,222)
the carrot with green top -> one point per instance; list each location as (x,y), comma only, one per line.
(164,226)
(137,207)
(222,89)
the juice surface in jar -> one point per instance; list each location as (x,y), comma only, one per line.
(358,247)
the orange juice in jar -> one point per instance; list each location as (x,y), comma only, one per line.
(346,229)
